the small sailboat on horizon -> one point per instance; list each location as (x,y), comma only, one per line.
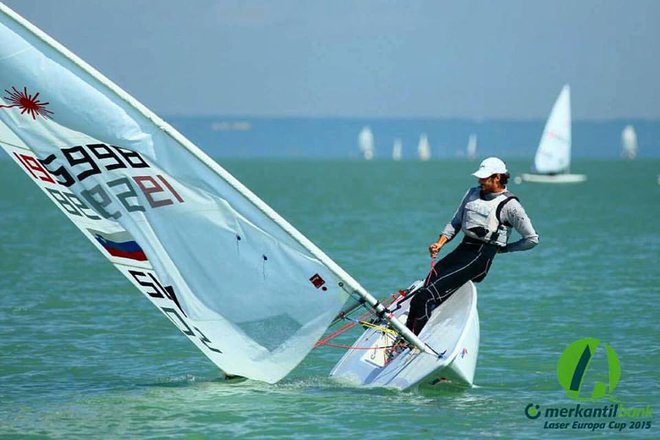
(366,143)
(628,142)
(471,149)
(397,150)
(424,148)
(553,157)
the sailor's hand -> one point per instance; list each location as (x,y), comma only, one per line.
(434,248)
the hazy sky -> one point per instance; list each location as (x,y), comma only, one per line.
(475,59)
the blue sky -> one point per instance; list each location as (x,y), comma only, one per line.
(464,59)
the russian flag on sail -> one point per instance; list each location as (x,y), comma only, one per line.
(119,244)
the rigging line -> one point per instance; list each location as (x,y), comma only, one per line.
(408,295)
(353,322)
(432,271)
(370,309)
(334,334)
(350,347)
(360,302)
(379,328)
(350,325)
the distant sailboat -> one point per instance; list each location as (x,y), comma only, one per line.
(397,149)
(628,142)
(471,149)
(366,143)
(553,157)
(424,148)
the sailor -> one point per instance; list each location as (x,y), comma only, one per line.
(486,216)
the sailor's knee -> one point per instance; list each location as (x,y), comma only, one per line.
(420,297)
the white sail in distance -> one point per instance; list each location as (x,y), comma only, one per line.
(424,148)
(553,155)
(397,149)
(471,149)
(628,142)
(250,291)
(366,143)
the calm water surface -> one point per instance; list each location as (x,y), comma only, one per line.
(84,355)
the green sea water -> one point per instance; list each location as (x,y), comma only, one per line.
(84,355)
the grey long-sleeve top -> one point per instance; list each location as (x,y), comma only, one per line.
(512,213)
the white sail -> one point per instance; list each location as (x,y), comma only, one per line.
(424,148)
(397,149)
(554,152)
(242,284)
(366,143)
(628,142)
(471,149)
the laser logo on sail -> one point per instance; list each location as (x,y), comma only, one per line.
(27,103)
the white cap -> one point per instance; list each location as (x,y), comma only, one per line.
(490,166)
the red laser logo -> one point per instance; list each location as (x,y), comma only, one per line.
(27,103)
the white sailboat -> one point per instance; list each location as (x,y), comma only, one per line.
(553,156)
(397,149)
(366,143)
(242,284)
(471,149)
(424,148)
(628,142)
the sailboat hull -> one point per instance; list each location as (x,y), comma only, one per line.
(553,178)
(452,331)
